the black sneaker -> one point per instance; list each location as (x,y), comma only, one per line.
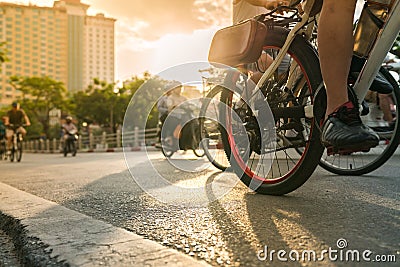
(344,133)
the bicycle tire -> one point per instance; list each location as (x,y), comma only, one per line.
(210,129)
(295,171)
(165,149)
(12,155)
(365,162)
(198,153)
(19,149)
(197,144)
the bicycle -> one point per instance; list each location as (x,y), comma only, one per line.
(16,143)
(297,101)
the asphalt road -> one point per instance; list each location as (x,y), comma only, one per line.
(362,212)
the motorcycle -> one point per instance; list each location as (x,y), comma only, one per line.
(70,142)
(181,138)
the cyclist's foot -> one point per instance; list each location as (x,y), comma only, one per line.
(344,133)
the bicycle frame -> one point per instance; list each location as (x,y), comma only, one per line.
(382,46)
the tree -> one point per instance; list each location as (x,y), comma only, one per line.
(40,95)
(151,87)
(102,103)
(105,104)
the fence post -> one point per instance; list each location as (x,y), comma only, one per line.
(55,145)
(80,143)
(48,146)
(36,145)
(118,136)
(104,139)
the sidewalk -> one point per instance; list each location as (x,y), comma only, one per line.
(79,240)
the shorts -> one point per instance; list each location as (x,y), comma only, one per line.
(10,132)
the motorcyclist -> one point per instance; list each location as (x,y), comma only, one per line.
(68,127)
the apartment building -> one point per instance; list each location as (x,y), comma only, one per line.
(36,41)
(61,42)
(99,49)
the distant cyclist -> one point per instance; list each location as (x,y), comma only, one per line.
(16,117)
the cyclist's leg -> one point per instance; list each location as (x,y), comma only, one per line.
(342,131)
(386,105)
(335,45)
(22,131)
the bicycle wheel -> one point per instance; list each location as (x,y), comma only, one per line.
(359,163)
(199,152)
(12,155)
(210,129)
(297,149)
(197,143)
(18,151)
(166,148)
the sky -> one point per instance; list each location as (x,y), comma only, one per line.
(158,34)
(155,35)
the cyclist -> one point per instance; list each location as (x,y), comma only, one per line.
(17,117)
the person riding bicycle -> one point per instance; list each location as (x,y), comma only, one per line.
(16,117)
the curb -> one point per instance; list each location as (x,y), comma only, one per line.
(80,240)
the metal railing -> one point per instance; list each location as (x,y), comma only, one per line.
(133,140)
